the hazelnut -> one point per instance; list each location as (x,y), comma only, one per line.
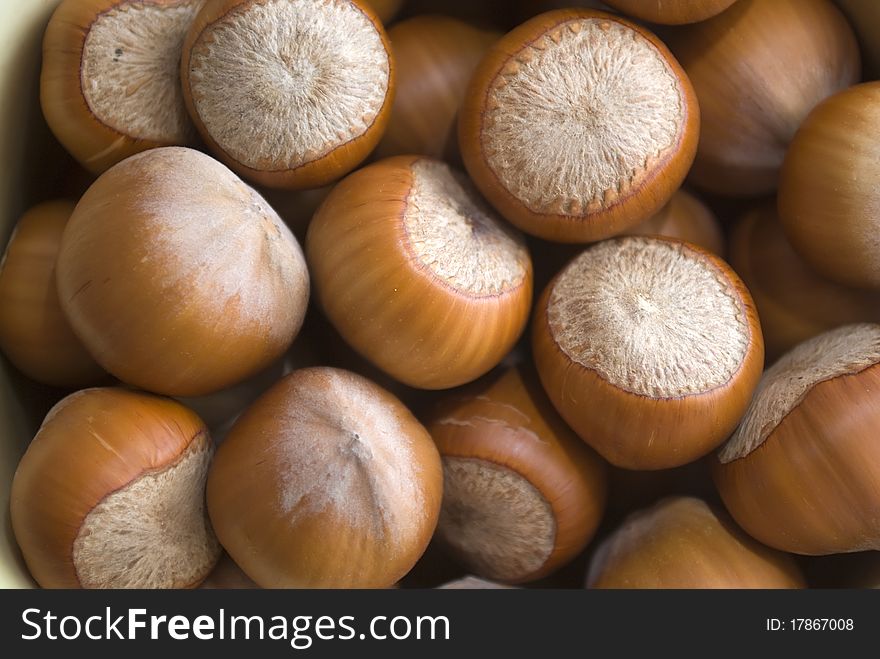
(418,274)
(650,349)
(111,494)
(326,481)
(110,83)
(436,57)
(201,286)
(289,93)
(681,542)
(828,195)
(577,125)
(34,333)
(794,302)
(801,472)
(671,12)
(522,495)
(758,69)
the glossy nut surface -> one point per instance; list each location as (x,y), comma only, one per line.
(682,542)
(801,473)
(828,193)
(671,12)
(199,288)
(418,274)
(522,494)
(326,481)
(758,69)
(111,494)
(436,56)
(34,333)
(794,302)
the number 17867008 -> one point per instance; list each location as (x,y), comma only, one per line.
(810,624)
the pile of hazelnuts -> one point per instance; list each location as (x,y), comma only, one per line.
(361,293)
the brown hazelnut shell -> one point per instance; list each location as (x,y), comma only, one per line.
(828,195)
(436,56)
(34,333)
(202,285)
(92,444)
(685,218)
(508,421)
(794,302)
(813,486)
(679,429)
(386,304)
(313,174)
(758,69)
(671,12)
(342,531)
(681,542)
(865,20)
(385,9)
(650,193)
(96,145)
